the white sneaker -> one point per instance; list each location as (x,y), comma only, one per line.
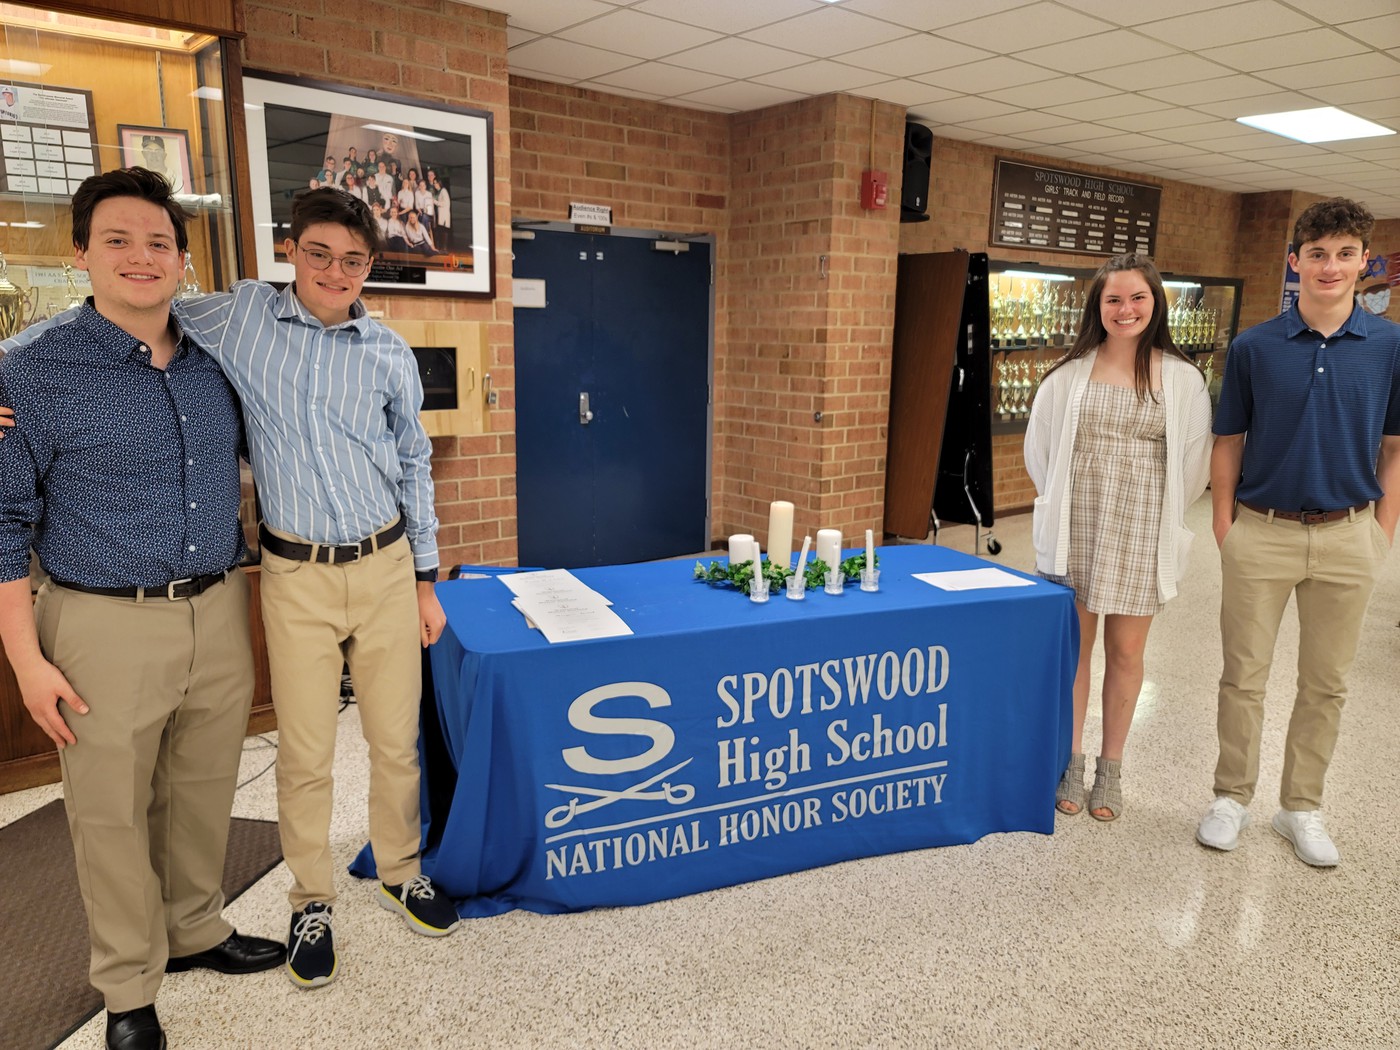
(1309,837)
(1221,826)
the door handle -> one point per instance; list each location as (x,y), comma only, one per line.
(585,415)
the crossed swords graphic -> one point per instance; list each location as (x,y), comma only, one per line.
(675,794)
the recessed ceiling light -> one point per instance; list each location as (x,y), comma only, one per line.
(1327,124)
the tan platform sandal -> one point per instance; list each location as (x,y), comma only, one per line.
(1070,791)
(1108,789)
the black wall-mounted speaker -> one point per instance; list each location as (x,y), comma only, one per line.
(918,155)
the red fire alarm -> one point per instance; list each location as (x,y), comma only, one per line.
(874,189)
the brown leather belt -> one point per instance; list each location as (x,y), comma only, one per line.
(174,590)
(327,552)
(1307,517)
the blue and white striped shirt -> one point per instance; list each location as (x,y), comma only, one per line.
(337,448)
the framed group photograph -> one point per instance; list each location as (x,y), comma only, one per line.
(162,150)
(423,168)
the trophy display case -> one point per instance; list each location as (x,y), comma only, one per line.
(1034,319)
(81,95)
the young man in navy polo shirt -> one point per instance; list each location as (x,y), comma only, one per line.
(1307,506)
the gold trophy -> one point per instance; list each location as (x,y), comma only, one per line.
(17,305)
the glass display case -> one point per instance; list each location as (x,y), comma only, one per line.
(79,95)
(1034,314)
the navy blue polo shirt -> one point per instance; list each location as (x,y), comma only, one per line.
(1313,408)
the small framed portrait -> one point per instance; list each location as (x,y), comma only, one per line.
(162,150)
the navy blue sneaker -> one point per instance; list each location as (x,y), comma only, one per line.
(424,909)
(311,960)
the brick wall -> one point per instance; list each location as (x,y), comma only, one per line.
(809,304)
(444,52)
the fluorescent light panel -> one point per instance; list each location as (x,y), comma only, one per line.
(1327,124)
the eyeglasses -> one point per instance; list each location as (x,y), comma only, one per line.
(350,265)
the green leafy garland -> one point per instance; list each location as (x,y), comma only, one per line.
(741,576)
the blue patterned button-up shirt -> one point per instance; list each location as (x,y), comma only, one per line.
(117,473)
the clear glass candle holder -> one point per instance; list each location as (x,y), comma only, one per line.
(796,587)
(758,589)
(835,581)
(870,579)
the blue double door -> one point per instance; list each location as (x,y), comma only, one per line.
(612,400)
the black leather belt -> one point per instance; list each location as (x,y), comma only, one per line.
(333,554)
(175,589)
(1307,517)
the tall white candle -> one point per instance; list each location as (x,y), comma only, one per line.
(742,548)
(802,558)
(829,547)
(780,533)
(869,548)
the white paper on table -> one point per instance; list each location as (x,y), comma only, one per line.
(553,584)
(973,579)
(576,622)
(521,609)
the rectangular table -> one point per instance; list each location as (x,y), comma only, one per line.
(726,741)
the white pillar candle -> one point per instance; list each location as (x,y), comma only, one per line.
(742,548)
(802,558)
(780,533)
(829,547)
(869,548)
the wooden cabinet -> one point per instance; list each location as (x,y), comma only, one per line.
(28,758)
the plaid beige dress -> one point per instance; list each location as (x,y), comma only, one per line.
(1118,473)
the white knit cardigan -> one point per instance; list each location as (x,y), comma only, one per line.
(1050,435)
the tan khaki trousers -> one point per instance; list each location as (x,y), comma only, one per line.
(318,618)
(149,785)
(1332,569)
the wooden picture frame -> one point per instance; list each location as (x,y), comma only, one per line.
(298,129)
(165,151)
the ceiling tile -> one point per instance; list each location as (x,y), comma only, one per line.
(546,16)
(830,31)
(633,33)
(819,78)
(926,14)
(515,37)
(1218,89)
(1115,48)
(990,74)
(1293,48)
(1163,151)
(1381,91)
(1158,120)
(733,57)
(1333,71)
(1067,134)
(1013,123)
(1235,23)
(1109,106)
(613,89)
(566,61)
(741,95)
(1296,151)
(905,92)
(960,110)
(1220,167)
(661,78)
(951,131)
(1060,91)
(1113,143)
(724,16)
(913,54)
(1158,72)
(1276,102)
(1135,12)
(1025,27)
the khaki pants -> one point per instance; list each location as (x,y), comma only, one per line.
(319,617)
(149,785)
(1332,568)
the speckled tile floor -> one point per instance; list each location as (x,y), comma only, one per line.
(1122,935)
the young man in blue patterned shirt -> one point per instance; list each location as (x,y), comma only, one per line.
(349,553)
(123,475)
(1305,506)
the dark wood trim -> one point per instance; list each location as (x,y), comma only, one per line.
(216,17)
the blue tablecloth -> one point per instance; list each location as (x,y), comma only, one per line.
(726,741)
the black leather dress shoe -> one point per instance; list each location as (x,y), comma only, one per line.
(137,1029)
(238,954)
